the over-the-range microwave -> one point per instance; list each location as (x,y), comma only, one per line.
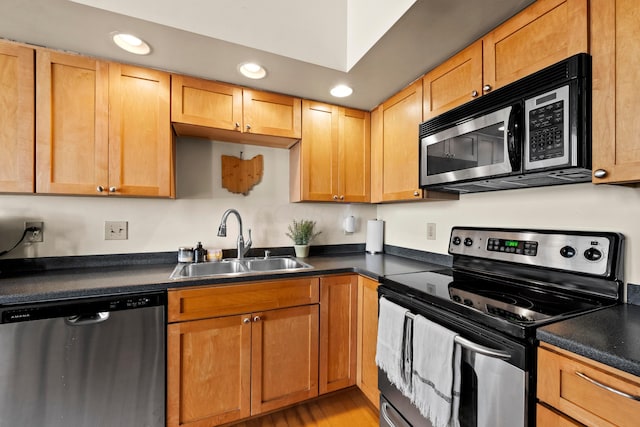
(531,133)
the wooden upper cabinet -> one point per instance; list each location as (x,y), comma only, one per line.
(615,30)
(332,161)
(17,115)
(338,349)
(102,128)
(72,124)
(205,103)
(141,159)
(454,82)
(544,33)
(221,111)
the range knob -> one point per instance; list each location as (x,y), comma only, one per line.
(593,254)
(468,241)
(456,240)
(567,251)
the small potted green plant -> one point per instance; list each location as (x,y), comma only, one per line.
(302,233)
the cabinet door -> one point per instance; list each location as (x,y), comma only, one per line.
(17,115)
(318,152)
(140,136)
(271,114)
(401,116)
(547,418)
(546,32)
(205,103)
(354,164)
(72,124)
(284,357)
(454,82)
(616,73)
(367,377)
(208,371)
(338,310)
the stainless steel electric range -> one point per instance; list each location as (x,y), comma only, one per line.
(503,285)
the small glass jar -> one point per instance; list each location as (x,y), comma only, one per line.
(185,254)
(214,255)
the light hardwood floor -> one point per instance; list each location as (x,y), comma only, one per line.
(347,408)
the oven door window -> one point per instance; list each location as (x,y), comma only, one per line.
(473,149)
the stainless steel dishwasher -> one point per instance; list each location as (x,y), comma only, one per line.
(91,362)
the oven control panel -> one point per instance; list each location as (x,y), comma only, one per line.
(581,252)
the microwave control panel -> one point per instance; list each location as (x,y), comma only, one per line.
(547,129)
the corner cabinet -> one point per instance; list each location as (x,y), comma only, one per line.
(332,161)
(215,110)
(575,391)
(395,151)
(616,72)
(234,351)
(338,311)
(367,338)
(102,128)
(17,115)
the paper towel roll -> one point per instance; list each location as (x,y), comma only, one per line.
(375,236)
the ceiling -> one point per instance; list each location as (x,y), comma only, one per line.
(307,46)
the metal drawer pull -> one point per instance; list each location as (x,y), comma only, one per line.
(606,387)
(385,414)
(476,348)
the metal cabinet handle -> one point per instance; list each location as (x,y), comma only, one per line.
(341,197)
(335,197)
(257,319)
(416,193)
(486,88)
(100,188)
(385,414)
(606,387)
(246,320)
(600,173)
(112,189)
(248,127)
(237,125)
(474,93)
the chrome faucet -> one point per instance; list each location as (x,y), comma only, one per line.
(222,232)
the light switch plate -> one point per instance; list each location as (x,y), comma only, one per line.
(116,230)
(431,231)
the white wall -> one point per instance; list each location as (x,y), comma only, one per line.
(75,225)
(568,207)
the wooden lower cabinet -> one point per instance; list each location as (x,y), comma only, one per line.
(338,301)
(226,368)
(367,336)
(584,390)
(546,417)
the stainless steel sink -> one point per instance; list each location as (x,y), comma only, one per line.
(237,267)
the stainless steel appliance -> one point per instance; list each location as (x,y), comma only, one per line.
(94,362)
(531,133)
(503,284)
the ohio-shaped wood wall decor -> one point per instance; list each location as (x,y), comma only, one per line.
(239,175)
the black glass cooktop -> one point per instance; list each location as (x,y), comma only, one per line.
(509,306)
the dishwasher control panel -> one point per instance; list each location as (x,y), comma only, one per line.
(67,308)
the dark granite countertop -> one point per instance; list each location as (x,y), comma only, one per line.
(97,280)
(610,336)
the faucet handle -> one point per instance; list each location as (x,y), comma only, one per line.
(267,253)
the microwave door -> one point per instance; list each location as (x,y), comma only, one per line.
(477,148)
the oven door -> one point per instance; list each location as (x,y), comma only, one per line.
(484,147)
(494,390)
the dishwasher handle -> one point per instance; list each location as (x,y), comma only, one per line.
(87,319)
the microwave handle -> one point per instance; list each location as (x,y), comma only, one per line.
(514,136)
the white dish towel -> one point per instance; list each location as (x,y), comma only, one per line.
(390,346)
(436,368)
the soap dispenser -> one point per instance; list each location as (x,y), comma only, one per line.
(199,253)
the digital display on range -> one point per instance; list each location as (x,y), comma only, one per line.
(519,247)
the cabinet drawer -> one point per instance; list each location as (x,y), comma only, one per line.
(545,417)
(568,383)
(224,300)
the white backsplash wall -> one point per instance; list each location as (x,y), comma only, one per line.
(75,225)
(569,207)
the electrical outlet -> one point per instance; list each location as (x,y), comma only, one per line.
(116,230)
(34,236)
(431,231)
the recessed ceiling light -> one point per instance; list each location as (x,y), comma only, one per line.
(341,91)
(131,43)
(252,70)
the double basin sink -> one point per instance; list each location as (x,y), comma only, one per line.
(238,267)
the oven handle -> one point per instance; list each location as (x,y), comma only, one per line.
(476,348)
(385,414)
